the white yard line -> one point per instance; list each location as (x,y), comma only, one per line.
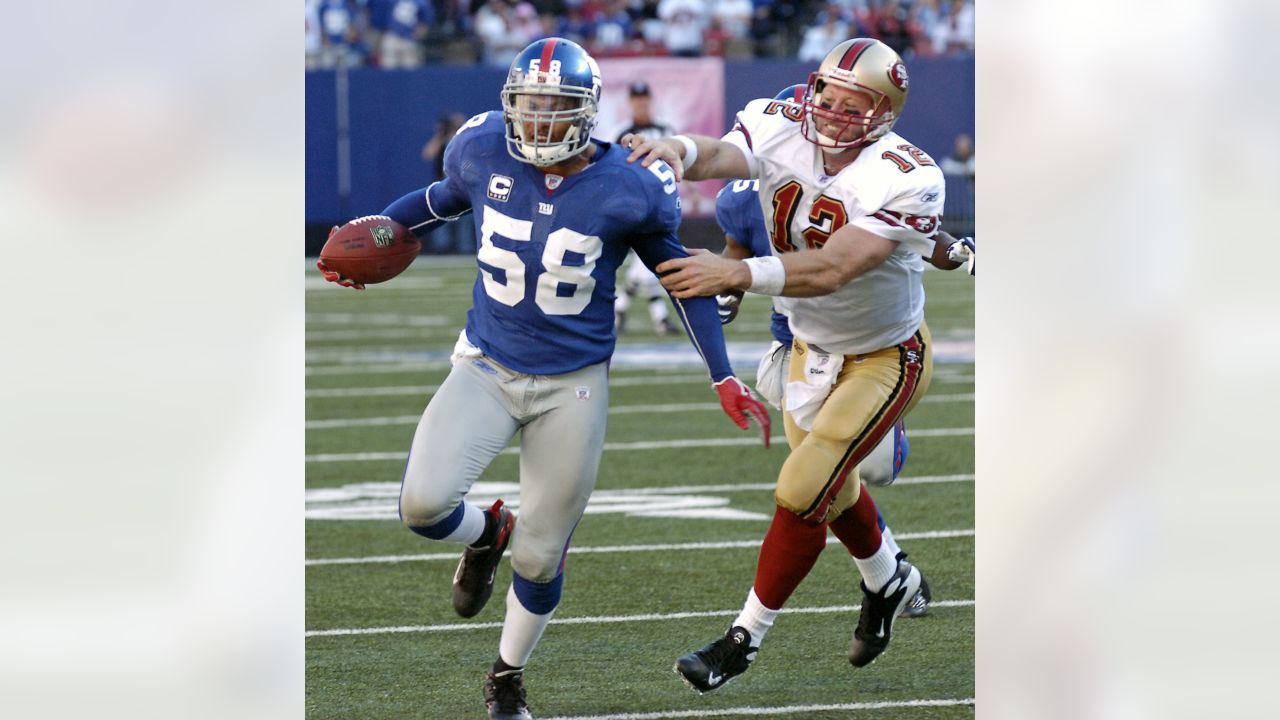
(751,439)
(615,410)
(783,710)
(609,549)
(601,620)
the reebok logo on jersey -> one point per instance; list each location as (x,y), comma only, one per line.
(500,187)
(929,197)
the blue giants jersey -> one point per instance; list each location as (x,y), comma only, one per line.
(550,247)
(739,216)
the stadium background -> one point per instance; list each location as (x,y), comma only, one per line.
(669,542)
(365,127)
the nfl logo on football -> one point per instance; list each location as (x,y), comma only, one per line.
(383,235)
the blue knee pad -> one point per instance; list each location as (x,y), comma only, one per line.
(538,598)
(441,529)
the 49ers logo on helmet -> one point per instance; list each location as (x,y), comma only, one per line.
(898,74)
(923,224)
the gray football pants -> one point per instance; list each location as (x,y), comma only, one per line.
(477,410)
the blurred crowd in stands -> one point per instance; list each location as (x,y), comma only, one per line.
(407,33)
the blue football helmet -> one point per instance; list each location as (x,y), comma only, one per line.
(553,82)
(793,93)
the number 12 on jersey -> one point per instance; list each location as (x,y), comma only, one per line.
(559,257)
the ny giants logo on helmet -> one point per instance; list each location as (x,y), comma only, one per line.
(898,76)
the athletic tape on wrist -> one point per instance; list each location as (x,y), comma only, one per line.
(690,150)
(768,276)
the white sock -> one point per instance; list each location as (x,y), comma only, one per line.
(520,631)
(755,617)
(471,527)
(878,569)
(886,536)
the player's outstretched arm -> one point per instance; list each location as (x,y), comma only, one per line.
(850,252)
(713,158)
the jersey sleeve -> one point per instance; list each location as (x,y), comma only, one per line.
(730,206)
(660,242)
(747,125)
(912,213)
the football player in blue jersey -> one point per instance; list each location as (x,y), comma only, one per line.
(556,212)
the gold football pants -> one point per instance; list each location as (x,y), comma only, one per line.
(819,479)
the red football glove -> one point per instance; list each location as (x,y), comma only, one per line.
(738,402)
(334,277)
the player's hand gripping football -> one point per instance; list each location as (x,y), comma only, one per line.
(964,250)
(652,150)
(334,277)
(738,402)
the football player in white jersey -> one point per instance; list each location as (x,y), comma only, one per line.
(851,207)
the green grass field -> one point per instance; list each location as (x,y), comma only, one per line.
(660,563)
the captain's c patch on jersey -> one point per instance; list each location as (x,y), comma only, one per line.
(500,187)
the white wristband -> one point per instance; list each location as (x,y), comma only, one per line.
(690,150)
(768,276)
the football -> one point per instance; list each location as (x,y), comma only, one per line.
(370,249)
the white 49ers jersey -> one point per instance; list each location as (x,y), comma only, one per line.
(892,189)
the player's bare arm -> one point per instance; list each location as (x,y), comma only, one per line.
(715,158)
(850,252)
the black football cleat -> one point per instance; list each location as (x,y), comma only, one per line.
(718,663)
(879,610)
(919,605)
(504,696)
(473,580)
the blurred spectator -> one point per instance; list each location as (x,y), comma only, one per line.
(954,34)
(961,159)
(494,25)
(340,37)
(575,26)
(889,24)
(458,236)
(831,29)
(651,27)
(403,27)
(685,21)
(313,42)
(642,121)
(732,16)
(613,28)
(525,22)
(765,30)
(959,169)
(922,16)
